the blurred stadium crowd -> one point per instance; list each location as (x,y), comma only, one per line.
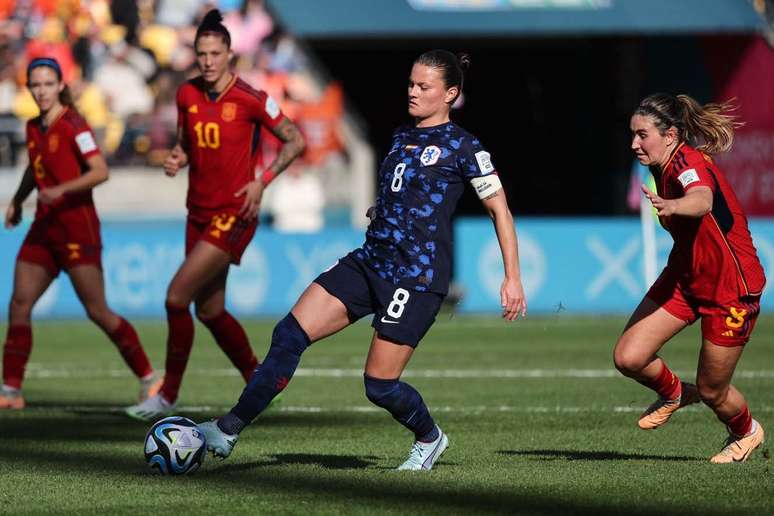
(124,60)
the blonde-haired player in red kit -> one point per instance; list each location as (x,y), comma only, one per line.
(713,273)
(65,164)
(219,122)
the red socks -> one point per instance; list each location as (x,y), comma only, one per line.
(16,353)
(741,424)
(128,344)
(179,343)
(666,384)
(231,338)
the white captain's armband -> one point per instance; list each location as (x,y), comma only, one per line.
(486,185)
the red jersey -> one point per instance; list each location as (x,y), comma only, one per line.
(714,255)
(222,141)
(58,154)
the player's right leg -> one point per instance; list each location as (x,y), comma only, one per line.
(29,283)
(202,264)
(315,315)
(649,328)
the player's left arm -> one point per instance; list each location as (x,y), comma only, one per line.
(512,296)
(97,173)
(292,146)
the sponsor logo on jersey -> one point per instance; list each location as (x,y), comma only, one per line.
(229,111)
(410,146)
(53,142)
(728,333)
(31,145)
(272,108)
(430,155)
(688,176)
(194,109)
(86,142)
(484,162)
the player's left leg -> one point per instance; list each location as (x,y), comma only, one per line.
(89,285)
(716,367)
(228,333)
(387,358)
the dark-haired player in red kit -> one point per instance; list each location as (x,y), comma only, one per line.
(713,272)
(65,164)
(219,120)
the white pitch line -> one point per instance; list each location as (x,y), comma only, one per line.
(370,409)
(38,372)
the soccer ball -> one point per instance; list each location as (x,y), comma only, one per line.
(175,446)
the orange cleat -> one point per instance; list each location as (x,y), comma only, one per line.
(11,402)
(738,449)
(661,410)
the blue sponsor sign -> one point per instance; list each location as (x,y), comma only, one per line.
(140,258)
(577,265)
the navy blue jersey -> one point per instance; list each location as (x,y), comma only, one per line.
(408,241)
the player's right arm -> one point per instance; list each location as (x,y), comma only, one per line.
(13,214)
(177,158)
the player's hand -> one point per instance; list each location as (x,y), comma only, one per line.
(512,299)
(253,192)
(664,207)
(50,195)
(174,161)
(13,215)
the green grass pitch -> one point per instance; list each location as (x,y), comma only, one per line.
(539,423)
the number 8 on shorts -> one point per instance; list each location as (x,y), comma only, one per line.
(399,300)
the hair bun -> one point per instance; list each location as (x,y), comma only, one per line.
(464,60)
(213,17)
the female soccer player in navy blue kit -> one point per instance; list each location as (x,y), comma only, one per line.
(401,273)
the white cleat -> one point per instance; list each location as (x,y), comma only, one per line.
(219,442)
(423,455)
(151,409)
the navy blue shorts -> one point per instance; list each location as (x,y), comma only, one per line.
(400,314)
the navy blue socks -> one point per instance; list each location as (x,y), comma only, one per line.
(288,342)
(405,405)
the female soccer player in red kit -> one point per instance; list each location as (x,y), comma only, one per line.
(713,272)
(65,164)
(219,119)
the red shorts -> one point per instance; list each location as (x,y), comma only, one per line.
(226,231)
(54,256)
(723,323)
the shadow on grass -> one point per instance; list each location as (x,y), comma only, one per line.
(92,425)
(307,459)
(346,479)
(592,455)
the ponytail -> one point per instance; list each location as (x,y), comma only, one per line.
(66,97)
(710,128)
(712,122)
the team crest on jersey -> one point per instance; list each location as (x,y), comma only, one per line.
(229,111)
(53,142)
(430,155)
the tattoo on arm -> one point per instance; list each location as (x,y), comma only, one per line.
(293,145)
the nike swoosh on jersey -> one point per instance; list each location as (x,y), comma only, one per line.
(388,321)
